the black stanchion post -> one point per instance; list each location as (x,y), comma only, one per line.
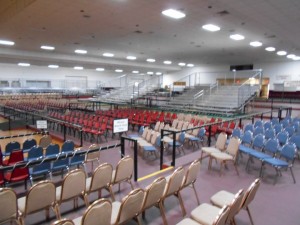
(9,125)
(122,147)
(279,114)
(161,149)
(135,159)
(252,119)
(209,136)
(262,116)
(81,140)
(240,123)
(64,125)
(174,149)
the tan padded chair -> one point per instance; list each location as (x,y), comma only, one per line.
(191,177)
(100,179)
(229,155)
(8,206)
(41,196)
(219,146)
(129,208)
(207,213)
(98,213)
(153,194)
(220,219)
(123,172)
(222,198)
(92,157)
(173,187)
(73,186)
(45,141)
(63,222)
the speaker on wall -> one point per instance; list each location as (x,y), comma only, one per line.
(241,67)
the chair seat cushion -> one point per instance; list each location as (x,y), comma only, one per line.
(222,156)
(149,148)
(77,221)
(205,214)
(115,211)
(222,198)
(187,221)
(245,149)
(259,155)
(88,183)
(21,204)
(276,162)
(210,150)
(58,192)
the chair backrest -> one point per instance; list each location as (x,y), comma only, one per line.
(288,152)
(130,205)
(236,132)
(201,132)
(271,146)
(249,127)
(277,128)
(40,196)
(221,141)
(233,146)
(258,130)
(267,125)
(45,141)
(68,146)
(182,137)
(15,156)
(11,146)
(63,222)
(91,156)
(222,217)
(258,142)
(235,205)
(29,143)
(290,130)
(98,213)
(258,123)
(250,193)
(35,152)
(269,133)
(52,149)
(154,192)
(8,205)
(192,173)
(73,184)
(282,137)
(101,177)
(124,169)
(296,140)
(247,138)
(175,182)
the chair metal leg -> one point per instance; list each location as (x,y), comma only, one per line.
(197,198)
(181,203)
(248,211)
(162,212)
(293,175)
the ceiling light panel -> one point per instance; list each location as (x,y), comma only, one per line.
(290,56)
(78,68)
(53,66)
(296,58)
(80,51)
(255,44)
(237,37)
(270,49)
(211,27)
(100,69)
(118,70)
(173,13)
(135,71)
(7,42)
(168,62)
(23,64)
(131,57)
(47,47)
(108,54)
(150,60)
(281,53)
(158,73)
(190,65)
(150,73)
(181,64)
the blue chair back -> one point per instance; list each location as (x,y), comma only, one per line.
(258,130)
(182,137)
(247,138)
(277,128)
(274,121)
(282,137)
(201,133)
(296,140)
(141,130)
(236,132)
(77,159)
(258,142)
(290,130)
(11,146)
(288,151)
(271,146)
(285,122)
(28,144)
(158,141)
(249,127)
(34,153)
(258,123)
(52,149)
(68,146)
(267,125)
(269,133)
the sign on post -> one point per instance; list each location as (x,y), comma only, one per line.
(41,124)
(120,125)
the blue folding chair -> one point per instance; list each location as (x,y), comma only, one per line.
(246,142)
(249,127)
(36,152)
(258,130)
(269,133)
(278,128)
(236,132)
(11,146)
(282,137)
(77,160)
(258,123)
(290,130)
(198,139)
(267,125)
(28,144)
(52,150)
(285,160)
(274,121)
(256,149)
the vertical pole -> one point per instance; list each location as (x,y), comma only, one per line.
(122,147)
(161,149)
(209,136)
(135,161)
(64,125)
(81,140)
(252,119)
(174,149)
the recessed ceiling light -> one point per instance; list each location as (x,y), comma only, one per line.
(47,47)
(107,54)
(296,58)
(80,51)
(281,53)
(119,70)
(78,68)
(23,64)
(211,27)
(167,62)
(175,14)
(181,64)
(53,66)
(150,60)
(237,37)
(270,49)
(131,57)
(255,44)
(135,71)
(290,56)
(190,65)
(158,73)
(150,73)
(100,69)
(6,42)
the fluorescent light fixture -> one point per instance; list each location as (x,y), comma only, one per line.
(173,13)
(237,37)
(131,57)
(23,64)
(6,42)
(53,66)
(150,73)
(290,56)
(211,27)
(158,73)
(296,58)
(281,53)
(135,71)
(190,65)
(78,68)
(108,54)
(270,49)
(255,44)
(100,69)
(150,60)
(181,64)
(80,51)
(167,62)
(47,47)
(119,70)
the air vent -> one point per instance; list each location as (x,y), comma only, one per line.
(223,13)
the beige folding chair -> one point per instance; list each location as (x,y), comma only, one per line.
(229,155)
(207,213)
(129,208)
(191,177)
(219,146)
(92,157)
(98,213)
(220,219)
(100,179)
(173,187)
(73,186)
(41,196)
(222,198)
(63,222)
(153,194)
(8,206)
(123,172)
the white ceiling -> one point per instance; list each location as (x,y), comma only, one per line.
(137,27)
